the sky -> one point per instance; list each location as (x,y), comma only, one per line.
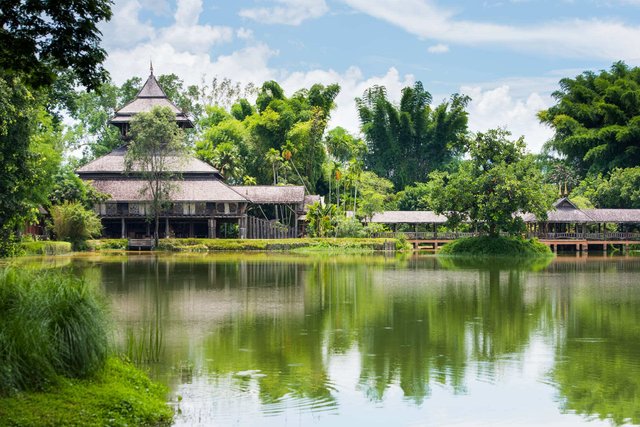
(507,55)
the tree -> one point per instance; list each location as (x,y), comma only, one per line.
(156,149)
(40,38)
(407,142)
(493,187)
(38,42)
(596,119)
(30,153)
(619,190)
(322,219)
(74,223)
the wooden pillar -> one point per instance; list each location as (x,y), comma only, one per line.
(212,228)
(190,228)
(604,248)
(166,228)
(123,225)
(242,227)
(148,229)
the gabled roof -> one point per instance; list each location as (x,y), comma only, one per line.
(271,194)
(151,95)
(113,163)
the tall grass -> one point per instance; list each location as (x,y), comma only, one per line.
(51,324)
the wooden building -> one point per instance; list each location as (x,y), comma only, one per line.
(202,204)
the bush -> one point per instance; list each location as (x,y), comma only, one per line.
(349,227)
(52,324)
(73,223)
(495,246)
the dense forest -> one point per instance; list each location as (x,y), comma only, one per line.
(413,154)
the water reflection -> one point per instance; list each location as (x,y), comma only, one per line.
(326,335)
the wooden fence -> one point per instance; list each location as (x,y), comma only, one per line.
(262,229)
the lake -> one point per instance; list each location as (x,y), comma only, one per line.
(274,339)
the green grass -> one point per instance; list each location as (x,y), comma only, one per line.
(119,395)
(496,246)
(52,324)
(302,244)
(103,244)
(45,247)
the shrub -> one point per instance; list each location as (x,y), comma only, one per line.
(349,227)
(73,223)
(495,246)
(52,324)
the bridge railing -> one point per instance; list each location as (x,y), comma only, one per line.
(587,236)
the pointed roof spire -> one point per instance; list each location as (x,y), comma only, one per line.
(150,95)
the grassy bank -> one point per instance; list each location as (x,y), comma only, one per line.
(44,247)
(54,349)
(118,395)
(496,246)
(302,244)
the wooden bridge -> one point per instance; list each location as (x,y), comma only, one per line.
(580,242)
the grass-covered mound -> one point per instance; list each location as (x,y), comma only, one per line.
(54,366)
(496,246)
(118,395)
(304,244)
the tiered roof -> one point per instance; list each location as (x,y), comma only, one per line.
(113,164)
(151,95)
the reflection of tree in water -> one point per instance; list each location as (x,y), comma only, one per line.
(418,335)
(598,359)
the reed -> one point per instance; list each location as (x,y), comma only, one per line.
(52,324)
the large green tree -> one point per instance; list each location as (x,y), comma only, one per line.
(497,182)
(38,39)
(44,48)
(408,141)
(154,153)
(596,119)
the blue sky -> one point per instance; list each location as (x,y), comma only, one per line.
(508,55)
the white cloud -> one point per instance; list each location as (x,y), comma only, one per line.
(126,31)
(288,12)
(125,26)
(502,107)
(595,38)
(438,48)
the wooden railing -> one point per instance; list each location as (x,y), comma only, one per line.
(587,236)
(451,235)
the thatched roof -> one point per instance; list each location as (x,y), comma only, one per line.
(113,163)
(203,190)
(614,215)
(566,212)
(151,95)
(271,194)
(408,217)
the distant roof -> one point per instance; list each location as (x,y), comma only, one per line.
(272,194)
(131,190)
(567,212)
(151,95)
(408,217)
(113,163)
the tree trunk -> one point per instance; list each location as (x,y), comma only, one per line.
(155,230)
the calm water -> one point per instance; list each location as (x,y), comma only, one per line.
(269,339)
